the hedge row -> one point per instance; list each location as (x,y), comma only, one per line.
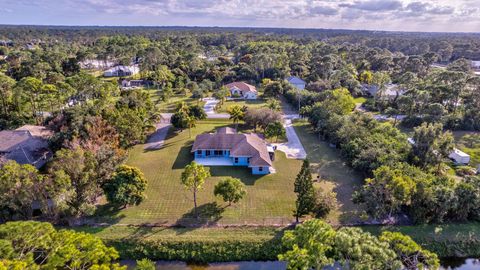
(198,251)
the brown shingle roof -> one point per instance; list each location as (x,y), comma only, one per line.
(245,87)
(240,145)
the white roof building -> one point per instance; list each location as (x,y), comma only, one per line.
(122,71)
(459,157)
(297,82)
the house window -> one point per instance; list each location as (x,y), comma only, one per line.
(260,169)
(217,152)
(248,160)
(199,152)
(236,160)
(207,153)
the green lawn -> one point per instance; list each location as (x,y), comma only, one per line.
(270,199)
(258,103)
(335,175)
(171,104)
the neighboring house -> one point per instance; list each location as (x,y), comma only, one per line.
(132,83)
(121,71)
(242,89)
(96,64)
(459,157)
(26,145)
(226,147)
(389,91)
(297,82)
(456,155)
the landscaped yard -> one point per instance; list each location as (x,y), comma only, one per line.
(258,103)
(270,199)
(335,175)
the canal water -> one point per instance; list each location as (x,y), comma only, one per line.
(447,264)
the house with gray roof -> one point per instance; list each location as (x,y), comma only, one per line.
(226,147)
(26,145)
(297,82)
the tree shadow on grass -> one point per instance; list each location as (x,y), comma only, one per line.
(242,173)
(107,213)
(208,215)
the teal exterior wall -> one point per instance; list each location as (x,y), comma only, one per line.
(263,170)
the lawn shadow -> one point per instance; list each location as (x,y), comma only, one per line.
(208,215)
(242,173)
(184,157)
(108,213)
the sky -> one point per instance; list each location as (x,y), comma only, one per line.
(394,15)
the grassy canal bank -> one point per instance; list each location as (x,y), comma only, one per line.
(262,243)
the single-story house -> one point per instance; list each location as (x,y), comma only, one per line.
(226,147)
(122,71)
(297,82)
(242,89)
(26,145)
(459,157)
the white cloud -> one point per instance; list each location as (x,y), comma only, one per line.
(442,15)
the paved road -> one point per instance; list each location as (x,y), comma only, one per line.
(157,139)
(293,148)
(209,108)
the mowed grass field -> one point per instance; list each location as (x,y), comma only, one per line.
(257,103)
(334,174)
(171,104)
(270,199)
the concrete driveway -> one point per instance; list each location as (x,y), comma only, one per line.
(293,148)
(209,108)
(157,139)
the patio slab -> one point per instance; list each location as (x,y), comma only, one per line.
(214,161)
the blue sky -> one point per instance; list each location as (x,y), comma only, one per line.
(406,15)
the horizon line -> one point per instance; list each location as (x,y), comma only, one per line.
(234,27)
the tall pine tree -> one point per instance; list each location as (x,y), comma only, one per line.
(305,203)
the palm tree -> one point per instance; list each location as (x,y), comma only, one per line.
(236,114)
(191,121)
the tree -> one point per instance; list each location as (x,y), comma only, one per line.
(274,105)
(191,121)
(222,94)
(84,185)
(236,114)
(276,130)
(179,120)
(316,245)
(261,117)
(145,264)
(39,246)
(273,89)
(22,185)
(412,255)
(193,178)
(431,145)
(230,189)
(303,186)
(6,94)
(127,186)
(387,191)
